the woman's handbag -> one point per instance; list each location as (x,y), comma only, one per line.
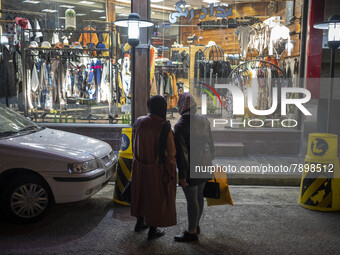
(126,194)
(212,189)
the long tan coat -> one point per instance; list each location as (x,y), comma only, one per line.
(153,187)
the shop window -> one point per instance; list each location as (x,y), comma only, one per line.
(64,62)
(200,45)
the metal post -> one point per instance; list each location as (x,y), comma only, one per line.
(24,81)
(333,50)
(303,43)
(133,60)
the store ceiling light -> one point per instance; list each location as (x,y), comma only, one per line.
(156,1)
(120,7)
(66,6)
(124,1)
(80,14)
(86,2)
(211,1)
(184,6)
(102,17)
(99,11)
(49,10)
(62,18)
(162,7)
(31,2)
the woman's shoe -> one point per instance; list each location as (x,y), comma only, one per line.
(140,227)
(186,237)
(155,233)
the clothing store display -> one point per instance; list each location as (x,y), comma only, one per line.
(244,34)
(166,85)
(8,88)
(86,38)
(45,45)
(58,45)
(22,22)
(279,41)
(76,45)
(33,44)
(55,38)
(38,34)
(260,39)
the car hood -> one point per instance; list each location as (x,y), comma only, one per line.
(62,143)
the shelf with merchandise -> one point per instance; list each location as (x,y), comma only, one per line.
(48,30)
(66,49)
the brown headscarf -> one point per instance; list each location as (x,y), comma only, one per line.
(186,102)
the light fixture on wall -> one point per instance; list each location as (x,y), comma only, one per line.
(333,27)
(133,23)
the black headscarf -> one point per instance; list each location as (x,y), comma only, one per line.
(158,106)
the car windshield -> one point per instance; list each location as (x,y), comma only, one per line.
(12,123)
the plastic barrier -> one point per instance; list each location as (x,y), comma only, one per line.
(320,183)
(124,165)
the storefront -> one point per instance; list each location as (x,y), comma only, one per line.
(75,71)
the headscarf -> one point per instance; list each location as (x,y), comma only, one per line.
(186,103)
(158,106)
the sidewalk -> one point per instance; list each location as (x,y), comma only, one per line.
(264,220)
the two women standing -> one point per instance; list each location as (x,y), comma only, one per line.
(153,189)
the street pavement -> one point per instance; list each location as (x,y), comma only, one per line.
(263,220)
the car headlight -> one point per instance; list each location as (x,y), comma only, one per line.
(83,167)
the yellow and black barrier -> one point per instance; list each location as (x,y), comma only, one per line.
(320,183)
(124,165)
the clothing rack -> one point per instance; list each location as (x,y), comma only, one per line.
(243,67)
(65,54)
(22,12)
(48,30)
(7,21)
(25,14)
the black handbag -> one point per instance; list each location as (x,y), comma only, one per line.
(212,189)
(126,194)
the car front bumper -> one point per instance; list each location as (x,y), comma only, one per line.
(78,187)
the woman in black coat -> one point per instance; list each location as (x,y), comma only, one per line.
(194,148)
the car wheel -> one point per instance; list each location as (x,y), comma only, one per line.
(26,199)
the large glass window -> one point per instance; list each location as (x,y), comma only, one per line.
(202,46)
(63,61)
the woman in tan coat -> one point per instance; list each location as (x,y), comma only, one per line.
(153,186)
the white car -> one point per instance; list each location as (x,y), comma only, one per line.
(41,166)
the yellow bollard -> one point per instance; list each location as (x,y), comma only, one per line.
(320,183)
(124,165)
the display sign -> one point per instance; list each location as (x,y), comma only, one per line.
(222,11)
(228,23)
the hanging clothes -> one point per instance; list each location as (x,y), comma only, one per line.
(121,94)
(86,38)
(260,39)
(174,97)
(279,41)
(38,35)
(8,88)
(244,34)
